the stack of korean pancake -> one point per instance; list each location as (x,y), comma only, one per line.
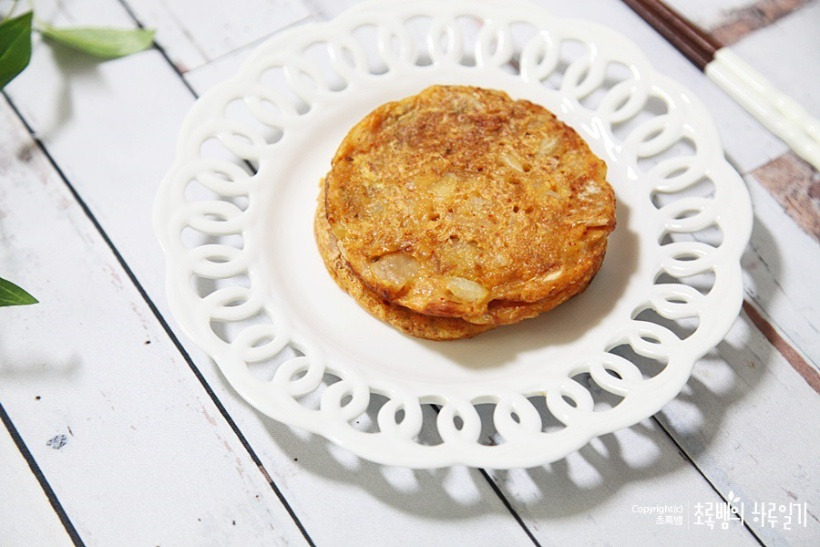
(459,209)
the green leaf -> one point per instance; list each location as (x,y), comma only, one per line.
(15,47)
(106,43)
(12,295)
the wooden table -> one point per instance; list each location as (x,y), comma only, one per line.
(118,430)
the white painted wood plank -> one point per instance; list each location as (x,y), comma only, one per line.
(194,32)
(328,9)
(753,430)
(132,124)
(706,13)
(746,418)
(26,516)
(618,485)
(128,439)
(343,500)
(781,267)
(205,77)
(80,13)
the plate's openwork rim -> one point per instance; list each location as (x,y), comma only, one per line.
(674,219)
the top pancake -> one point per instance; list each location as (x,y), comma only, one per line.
(459,201)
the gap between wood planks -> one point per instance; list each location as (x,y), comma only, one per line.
(692,462)
(41,478)
(792,356)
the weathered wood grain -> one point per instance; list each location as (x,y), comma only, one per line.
(708,14)
(742,21)
(789,353)
(193,34)
(796,187)
(781,266)
(129,441)
(613,485)
(748,420)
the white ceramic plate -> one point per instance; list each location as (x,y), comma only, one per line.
(245,280)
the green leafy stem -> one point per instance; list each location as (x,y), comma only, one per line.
(100,42)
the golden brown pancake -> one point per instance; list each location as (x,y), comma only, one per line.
(413,323)
(461,203)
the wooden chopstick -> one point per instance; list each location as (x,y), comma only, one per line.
(698,46)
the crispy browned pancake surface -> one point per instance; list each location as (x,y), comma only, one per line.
(461,203)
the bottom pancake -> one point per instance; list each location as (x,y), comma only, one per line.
(430,327)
